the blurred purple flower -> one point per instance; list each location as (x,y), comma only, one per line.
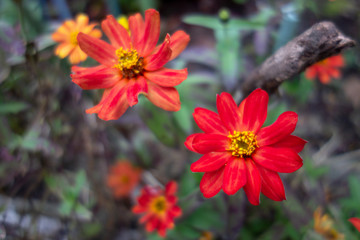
(5,155)
(10,39)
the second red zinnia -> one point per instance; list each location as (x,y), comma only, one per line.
(159,208)
(238,153)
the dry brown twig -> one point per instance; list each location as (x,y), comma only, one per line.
(320,41)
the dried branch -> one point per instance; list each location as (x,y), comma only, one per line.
(322,40)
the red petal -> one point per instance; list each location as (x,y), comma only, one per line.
(171,188)
(179,41)
(281,128)
(115,103)
(210,162)
(209,121)
(282,160)
(176,211)
(138,209)
(102,77)
(152,224)
(166,98)
(253,184)
(234,175)
(159,58)
(310,72)
(98,49)
(189,141)
(167,77)
(86,70)
(336,61)
(271,185)
(134,88)
(117,34)
(98,107)
(205,143)
(211,183)
(255,110)
(151,32)
(228,111)
(136,26)
(355,222)
(295,143)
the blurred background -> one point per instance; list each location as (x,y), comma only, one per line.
(55,158)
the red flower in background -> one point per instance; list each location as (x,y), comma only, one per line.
(355,222)
(159,207)
(326,69)
(132,65)
(239,153)
(122,178)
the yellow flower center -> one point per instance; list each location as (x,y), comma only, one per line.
(324,62)
(124,179)
(158,205)
(73,38)
(129,63)
(242,144)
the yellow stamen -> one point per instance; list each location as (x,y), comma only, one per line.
(129,63)
(73,38)
(124,179)
(158,205)
(242,144)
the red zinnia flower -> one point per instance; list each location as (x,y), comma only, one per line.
(355,222)
(325,69)
(159,207)
(132,65)
(122,178)
(239,153)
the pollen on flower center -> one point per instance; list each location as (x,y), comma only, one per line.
(124,179)
(73,38)
(242,144)
(129,63)
(158,205)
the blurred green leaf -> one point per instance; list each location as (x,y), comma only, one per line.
(274,112)
(12,107)
(299,88)
(187,184)
(351,204)
(204,21)
(159,122)
(92,229)
(205,218)
(183,117)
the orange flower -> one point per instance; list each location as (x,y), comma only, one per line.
(159,207)
(122,178)
(66,35)
(325,69)
(132,65)
(355,222)
(206,236)
(323,225)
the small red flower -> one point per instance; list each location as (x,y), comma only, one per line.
(326,69)
(122,178)
(239,153)
(159,207)
(355,222)
(132,65)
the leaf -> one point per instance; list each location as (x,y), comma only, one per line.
(203,21)
(158,121)
(12,107)
(183,117)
